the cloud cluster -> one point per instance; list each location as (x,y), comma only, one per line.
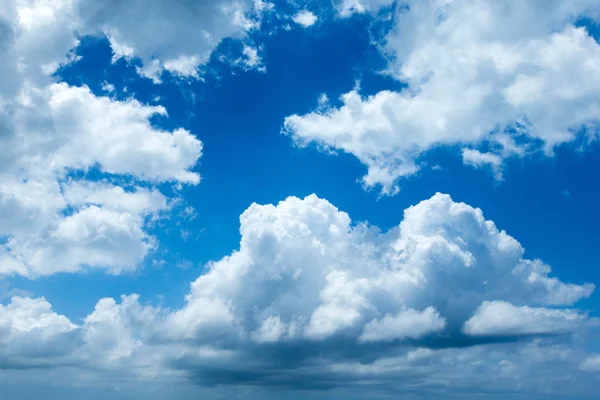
(54,218)
(512,77)
(174,36)
(312,300)
(305,272)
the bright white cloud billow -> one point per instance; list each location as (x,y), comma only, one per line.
(50,220)
(303,268)
(501,318)
(305,18)
(517,74)
(106,228)
(175,36)
(406,324)
(307,282)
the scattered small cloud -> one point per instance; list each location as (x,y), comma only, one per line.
(108,87)
(305,18)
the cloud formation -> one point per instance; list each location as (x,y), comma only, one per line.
(515,76)
(175,36)
(312,300)
(54,218)
(305,272)
(502,318)
(305,18)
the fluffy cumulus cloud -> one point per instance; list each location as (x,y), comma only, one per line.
(109,338)
(305,18)
(502,318)
(51,134)
(312,300)
(514,77)
(53,219)
(32,334)
(305,272)
(176,36)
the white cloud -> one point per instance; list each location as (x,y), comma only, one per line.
(183,66)
(119,137)
(305,18)
(307,282)
(31,334)
(477,159)
(303,267)
(504,319)
(251,59)
(591,364)
(475,72)
(35,37)
(92,237)
(87,132)
(406,324)
(176,36)
(137,201)
(52,131)
(348,7)
(113,334)
(108,87)
(261,6)
(110,338)
(25,315)
(270,330)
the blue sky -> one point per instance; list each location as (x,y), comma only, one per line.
(254,309)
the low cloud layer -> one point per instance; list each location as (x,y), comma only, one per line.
(311,300)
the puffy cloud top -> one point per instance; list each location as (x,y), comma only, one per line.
(514,75)
(51,131)
(304,272)
(177,36)
(306,282)
(305,18)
